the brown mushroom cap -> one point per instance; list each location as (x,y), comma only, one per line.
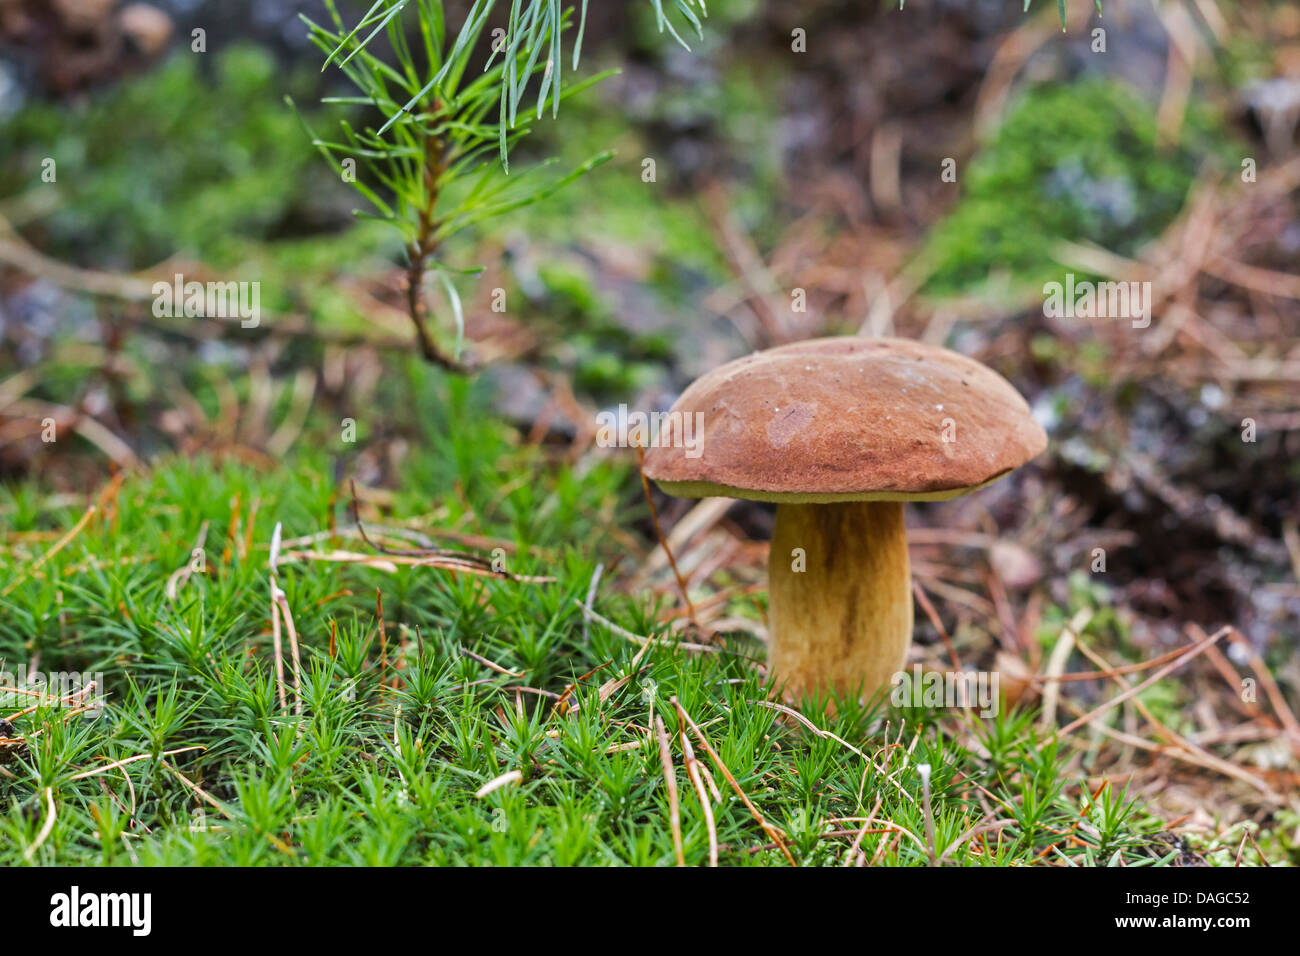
(846,419)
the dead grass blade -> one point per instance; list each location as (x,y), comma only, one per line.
(774,833)
(670,781)
(1158,675)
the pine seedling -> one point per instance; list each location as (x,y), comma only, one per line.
(439,160)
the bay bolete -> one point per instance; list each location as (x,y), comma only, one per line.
(839,432)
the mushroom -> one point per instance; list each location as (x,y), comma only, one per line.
(839,432)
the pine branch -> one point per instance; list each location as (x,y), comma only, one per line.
(447,123)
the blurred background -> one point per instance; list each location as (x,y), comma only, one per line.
(1163,149)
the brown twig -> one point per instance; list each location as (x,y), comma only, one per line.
(773,832)
(1271,690)
(826,734)
(659,533)
(670,781)
(855,848)
(1192,752)
(444,558)
(697,780)
(924,600)
(491,665)
(1137,689)
(58,546)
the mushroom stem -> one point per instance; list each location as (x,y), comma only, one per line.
(840,596)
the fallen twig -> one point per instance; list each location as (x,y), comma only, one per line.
(773,832)
(670,781)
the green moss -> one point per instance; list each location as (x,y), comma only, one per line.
(1077,163)
(608,359)
(175,162)
(571,290)
(1245,59)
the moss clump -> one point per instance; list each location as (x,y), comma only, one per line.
(173,162)
(1077,162)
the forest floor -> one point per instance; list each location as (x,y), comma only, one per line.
(347,608)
